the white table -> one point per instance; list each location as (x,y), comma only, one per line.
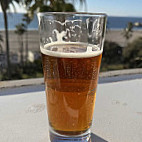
(117,117)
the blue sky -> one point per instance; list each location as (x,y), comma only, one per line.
(111,7)
(116,7)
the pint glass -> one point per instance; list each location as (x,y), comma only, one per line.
(71,46)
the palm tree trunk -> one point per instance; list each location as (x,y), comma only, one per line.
(27,46)
(7,44)
(22,59)
(1,49)
(21,49)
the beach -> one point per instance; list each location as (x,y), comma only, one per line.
(117,36)
(33,39)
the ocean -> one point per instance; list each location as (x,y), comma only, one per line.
(113,22)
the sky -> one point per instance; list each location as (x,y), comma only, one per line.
(116,7)
(110,7)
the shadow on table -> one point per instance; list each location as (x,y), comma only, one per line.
(95,138)
(119,78)
(20,90)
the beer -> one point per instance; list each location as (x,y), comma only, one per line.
(71,73)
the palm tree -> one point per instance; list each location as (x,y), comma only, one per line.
(50,5)
(61,5)
(27,21)
(20,30)
(5,6)
(127,32)
(1,40)
(1,69)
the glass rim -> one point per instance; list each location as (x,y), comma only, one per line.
(72,13)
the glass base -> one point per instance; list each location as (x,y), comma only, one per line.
(55,137)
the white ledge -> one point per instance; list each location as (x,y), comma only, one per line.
(103,76)
(117,116)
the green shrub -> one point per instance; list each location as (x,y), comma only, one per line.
(112,53)
(16,72)
(133,54)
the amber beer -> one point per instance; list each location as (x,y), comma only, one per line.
(71,80)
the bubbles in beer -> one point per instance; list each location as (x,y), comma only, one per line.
(71,82)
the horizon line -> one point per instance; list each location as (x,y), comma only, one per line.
(134,16)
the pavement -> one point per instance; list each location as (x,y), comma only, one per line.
(117,116)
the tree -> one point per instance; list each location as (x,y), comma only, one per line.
(133,53)
(1,40)
(127,32)
(27,21)
(49,6)
(1,50)
(112,53)
(5,6)
(20,30)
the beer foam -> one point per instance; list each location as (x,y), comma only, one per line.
(71,50)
